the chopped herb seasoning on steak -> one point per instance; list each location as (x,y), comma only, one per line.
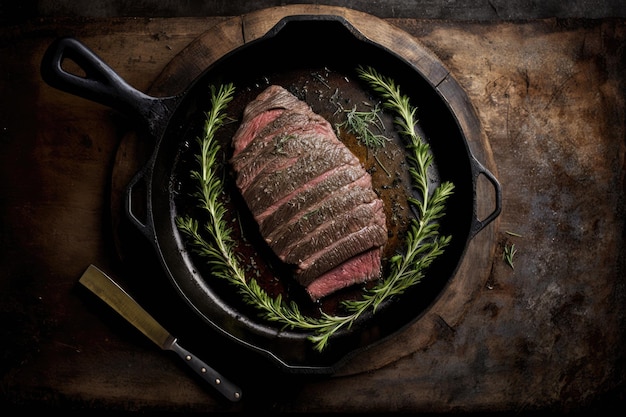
(309,194)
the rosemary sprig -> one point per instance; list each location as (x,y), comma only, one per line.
(509,254)
(220,254)
(362,125)
(424,243)
(395,101)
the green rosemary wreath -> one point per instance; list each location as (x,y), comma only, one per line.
(423,242)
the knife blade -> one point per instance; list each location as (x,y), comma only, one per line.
(113,295)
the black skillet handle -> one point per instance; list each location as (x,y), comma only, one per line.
(94,80)
(139,202)
(99,83)
(477,224)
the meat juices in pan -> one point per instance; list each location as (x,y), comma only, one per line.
(313,201)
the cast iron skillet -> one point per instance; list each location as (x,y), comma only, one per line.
(321,70)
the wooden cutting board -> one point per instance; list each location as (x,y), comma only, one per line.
(231,34)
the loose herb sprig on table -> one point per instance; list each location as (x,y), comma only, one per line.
(509,254)
(424,243)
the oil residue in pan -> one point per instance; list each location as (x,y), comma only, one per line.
(331,94)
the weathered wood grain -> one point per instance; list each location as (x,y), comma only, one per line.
(546,335)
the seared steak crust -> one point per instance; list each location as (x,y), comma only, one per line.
(311,197)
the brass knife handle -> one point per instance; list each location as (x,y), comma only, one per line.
(223,385)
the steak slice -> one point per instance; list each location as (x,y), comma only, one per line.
(272,142)
(313,201)
(311,196)
(361,268)
(339,207)
(312,159)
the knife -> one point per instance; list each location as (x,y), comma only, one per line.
(111,293)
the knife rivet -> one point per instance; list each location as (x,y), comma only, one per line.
(203,370)
(188,357)
(218,381)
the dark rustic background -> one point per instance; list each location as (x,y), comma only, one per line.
(547,79)
(420,9)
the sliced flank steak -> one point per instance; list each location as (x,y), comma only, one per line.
(313,201)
